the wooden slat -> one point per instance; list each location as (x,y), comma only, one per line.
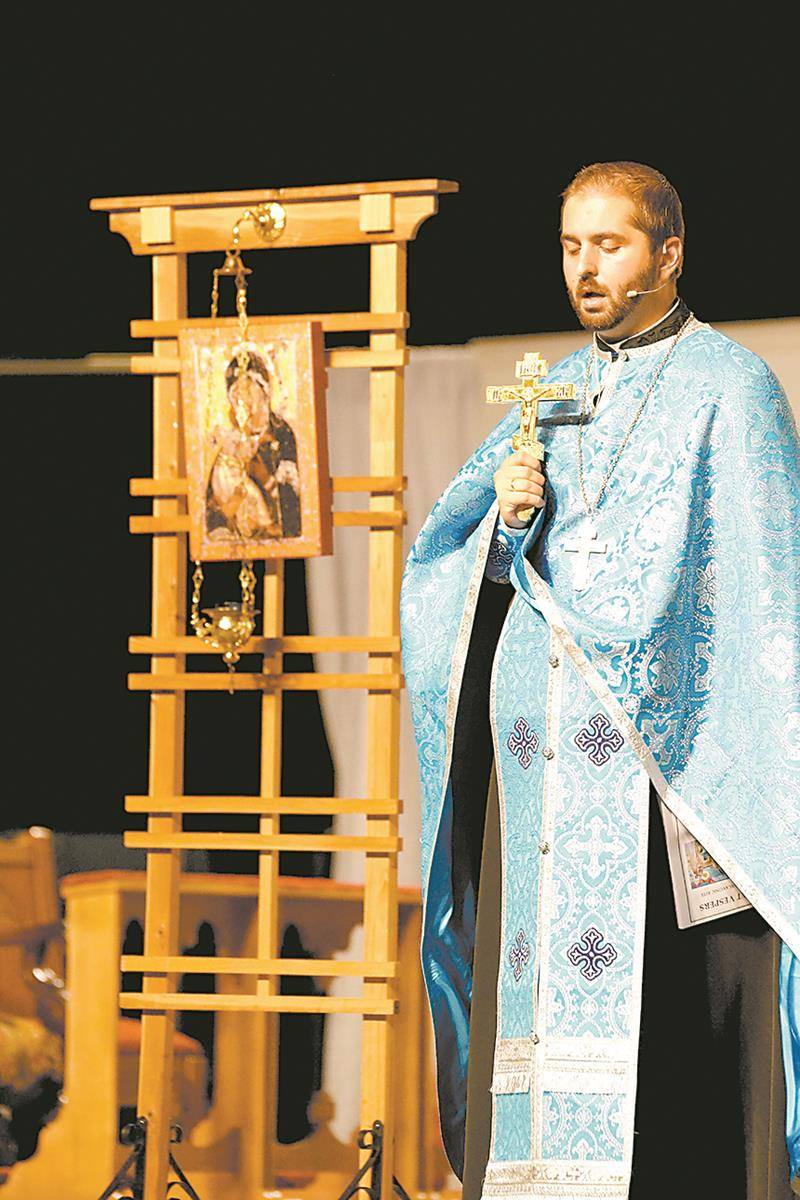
(301,643)
(344,520)
(318,842)
(167,738)
(332,222)
(148,364)
(331,322)
(374,519)
(367,358)
(260,804)
(377,484)
(379,1046)
(247,196)
(158,524)
(128,884)
(151,364)
(158,487)
(258,1156)
(216,1002)
(249,681)
(192,965)
(371,484)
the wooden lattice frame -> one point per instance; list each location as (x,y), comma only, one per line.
(385,216)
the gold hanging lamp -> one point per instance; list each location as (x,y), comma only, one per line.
(229,625)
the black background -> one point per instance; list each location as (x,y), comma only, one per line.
(132,102)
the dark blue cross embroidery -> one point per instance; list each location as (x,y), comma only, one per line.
(598,739)
(523,742)
(588,954)
(519,954)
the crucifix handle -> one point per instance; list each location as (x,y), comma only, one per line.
(525,439)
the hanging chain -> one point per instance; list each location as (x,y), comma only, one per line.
(247,578)
(591,508)
(230,625)
(233,265)
(242,353)
(241,284)
(195,620)
(214,294)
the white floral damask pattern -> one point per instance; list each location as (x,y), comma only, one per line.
(583,1127)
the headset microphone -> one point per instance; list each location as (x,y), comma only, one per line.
(649,291)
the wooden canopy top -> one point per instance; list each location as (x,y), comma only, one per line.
(325,191)
(331,214)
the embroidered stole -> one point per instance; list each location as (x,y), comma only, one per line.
(574,811)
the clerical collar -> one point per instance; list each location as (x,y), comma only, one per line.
(666,326)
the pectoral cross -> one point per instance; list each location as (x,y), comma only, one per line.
(531,370)
(584,545)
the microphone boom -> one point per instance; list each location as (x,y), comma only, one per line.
(648,291)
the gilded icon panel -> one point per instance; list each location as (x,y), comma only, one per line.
(256,441)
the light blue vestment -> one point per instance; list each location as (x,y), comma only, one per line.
(678,665)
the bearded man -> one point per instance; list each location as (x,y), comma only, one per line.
(586,639)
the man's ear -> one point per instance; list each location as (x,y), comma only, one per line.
(671,257)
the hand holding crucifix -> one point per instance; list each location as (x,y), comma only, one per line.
(520,472)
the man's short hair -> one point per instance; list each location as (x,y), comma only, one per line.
(656,204)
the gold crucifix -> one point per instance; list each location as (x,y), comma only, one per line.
(531,370)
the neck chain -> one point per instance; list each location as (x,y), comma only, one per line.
(591,508)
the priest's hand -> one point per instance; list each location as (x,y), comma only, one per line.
(519,483)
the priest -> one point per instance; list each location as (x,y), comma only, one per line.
(587,637)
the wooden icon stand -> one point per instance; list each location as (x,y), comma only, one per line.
(168,228)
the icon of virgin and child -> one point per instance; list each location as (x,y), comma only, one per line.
(253,485)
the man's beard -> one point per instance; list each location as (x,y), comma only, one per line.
(618,304)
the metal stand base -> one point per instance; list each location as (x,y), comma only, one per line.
(373,1164)
(131,1173)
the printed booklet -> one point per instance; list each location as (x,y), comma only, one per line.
(702,889)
